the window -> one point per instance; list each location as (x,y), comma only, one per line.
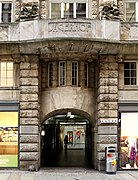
(50,74)
(81,10)
(130,73)
(6,74)
(86,74)
(131,8)
(55,10)
(5,12)
(62,73)
(74,73)
(68,10)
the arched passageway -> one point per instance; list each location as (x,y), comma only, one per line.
(77,152)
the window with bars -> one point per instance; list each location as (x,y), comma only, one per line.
(62,73)
(74,73)
(6,9)
(6,74)
(130,73)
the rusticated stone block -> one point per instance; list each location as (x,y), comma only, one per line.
(108,90)
(24,165)
(29,81)
(101,165)
(107,105)
(101,155)
(29,105)
(104,139)
(29,97)
(101,147)
(107,130)
(29,156)
(25,65)
(107,98)
(29,129)
(29,73)
(109,66)
(29,121)
(26,147)
(29,113)
(28,89)
(29,138)
(107,113)
(108,82)
(108,74)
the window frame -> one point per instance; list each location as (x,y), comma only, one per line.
(136,10)
(76,73)
(7,77)
(130,77)
(64,76)
(4,2)
(62,2)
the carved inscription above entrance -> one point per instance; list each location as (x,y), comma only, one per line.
(67,27)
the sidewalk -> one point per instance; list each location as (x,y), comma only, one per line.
(66,174)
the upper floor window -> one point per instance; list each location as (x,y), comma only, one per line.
(5,12)
(131,11)
(62,73)
(6,74)
(74,73)
(130,73)
(68,9)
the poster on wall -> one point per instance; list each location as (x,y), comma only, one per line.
(8,139)
(129,140)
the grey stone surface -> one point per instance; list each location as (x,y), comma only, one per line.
(104,139)
(29,138)
(29,113)
(29,156)
(29,130)
(107,130)
(32,147)
(68,174)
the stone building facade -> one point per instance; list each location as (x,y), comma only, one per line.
(98,45)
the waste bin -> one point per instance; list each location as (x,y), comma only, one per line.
(110,159)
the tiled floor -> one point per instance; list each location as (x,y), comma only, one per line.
(71,158)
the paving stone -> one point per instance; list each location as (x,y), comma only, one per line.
(15,176)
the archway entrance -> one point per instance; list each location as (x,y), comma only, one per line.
(55,152)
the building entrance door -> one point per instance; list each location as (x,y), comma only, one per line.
(72,152)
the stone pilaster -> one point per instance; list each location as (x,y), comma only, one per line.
(93,9)
(29,112)
(107,107)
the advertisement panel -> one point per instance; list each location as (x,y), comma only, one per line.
(8,139)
